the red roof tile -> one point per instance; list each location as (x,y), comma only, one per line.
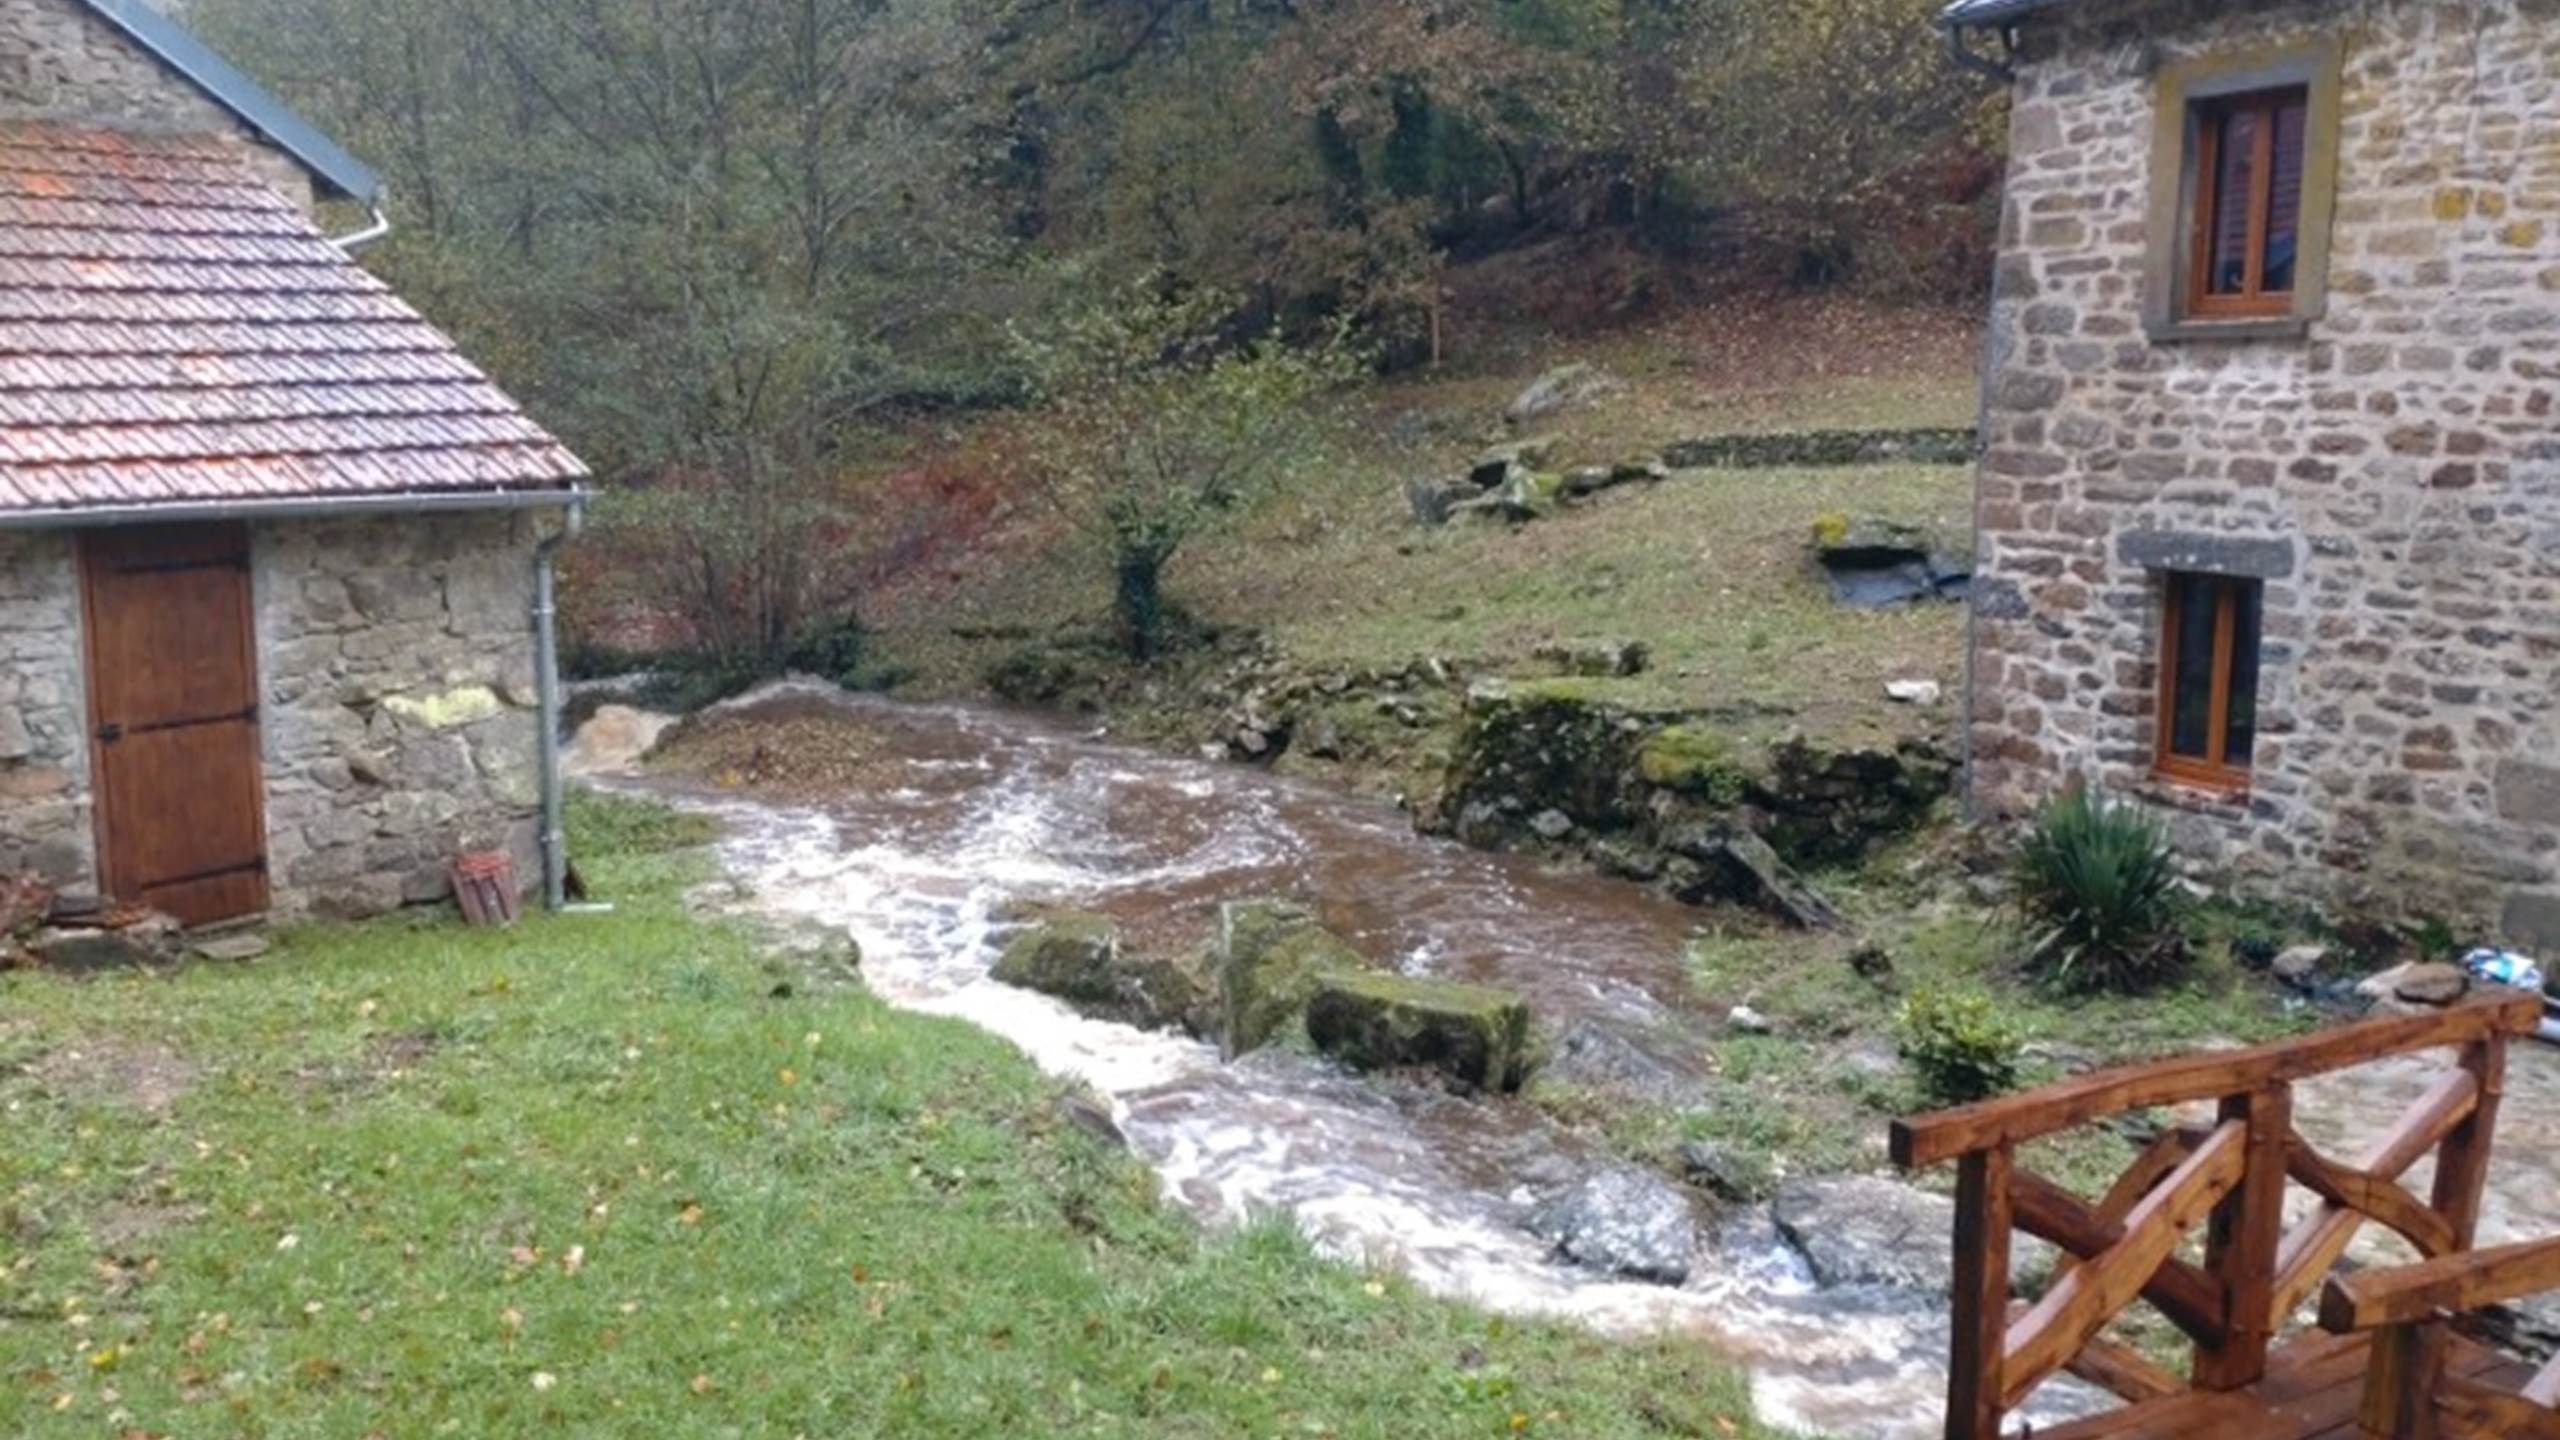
(173,329)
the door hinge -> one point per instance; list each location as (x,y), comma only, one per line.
(111,731)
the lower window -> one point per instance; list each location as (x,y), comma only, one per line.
(2209,679)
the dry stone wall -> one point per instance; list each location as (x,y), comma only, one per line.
(2393,477)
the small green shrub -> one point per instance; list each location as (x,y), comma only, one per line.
(2100,898)
(1963,1048)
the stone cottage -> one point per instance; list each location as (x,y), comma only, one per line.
(272,554)
(2269,500)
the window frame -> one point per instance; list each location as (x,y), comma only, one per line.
(2209,771)
(2189,94)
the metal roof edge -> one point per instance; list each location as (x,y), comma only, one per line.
(1983,13)
(181,51)
(294,507)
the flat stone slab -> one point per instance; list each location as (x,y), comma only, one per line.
(1370,1020)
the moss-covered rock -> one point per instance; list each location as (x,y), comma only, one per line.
(1692,760)
(1079,958)
(1474,1035)
(1526,747)
(1069,954)
(1831,805)
(1271,957)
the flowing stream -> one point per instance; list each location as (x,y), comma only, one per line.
(975,808)
(971,809)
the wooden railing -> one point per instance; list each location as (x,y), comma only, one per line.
(2228,1176)
(2408,1392)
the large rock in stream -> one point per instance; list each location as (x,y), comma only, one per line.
(1271,957)
(1871,1231)
(1475,1035)
(1623,1221)
(1079,958)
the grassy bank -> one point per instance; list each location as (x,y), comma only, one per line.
(624,1175)
(1812,1088)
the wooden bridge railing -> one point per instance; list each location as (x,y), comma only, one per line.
(2229,1176)
(2408,1392)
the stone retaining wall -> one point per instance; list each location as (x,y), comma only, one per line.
(2393,477)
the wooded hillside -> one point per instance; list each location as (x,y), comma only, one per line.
(725,231)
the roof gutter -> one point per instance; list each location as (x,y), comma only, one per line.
(1966,57)
(171,512)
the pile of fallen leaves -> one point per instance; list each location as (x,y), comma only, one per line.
(783,747)
(25,899)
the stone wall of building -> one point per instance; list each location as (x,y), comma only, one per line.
(2394,477)
(44,732)
(396,664)
(64,62)
(396,706)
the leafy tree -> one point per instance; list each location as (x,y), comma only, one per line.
(716,242)
(1154,423)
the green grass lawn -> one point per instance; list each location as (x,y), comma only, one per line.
(624,1175)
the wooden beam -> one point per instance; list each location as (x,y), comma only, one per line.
(2240,1250)
(2400,1383)
(2307,1254)
(2083,1301)
(2184,1293)
(2462,1167)
(1974,1367)
(1928,1139)
(2378,1198)
(2122,1371)
(2477,1409)
(2465,1280)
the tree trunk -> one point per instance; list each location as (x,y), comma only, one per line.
(1140,602)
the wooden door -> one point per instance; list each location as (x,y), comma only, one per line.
(173,702)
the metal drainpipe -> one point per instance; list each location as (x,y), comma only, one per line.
(1985,365)
(546,682)
(349,244)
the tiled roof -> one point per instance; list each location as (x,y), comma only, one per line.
(143,23)
(174,329)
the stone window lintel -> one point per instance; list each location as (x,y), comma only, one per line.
(2246,557)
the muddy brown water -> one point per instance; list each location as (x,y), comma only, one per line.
(965,810)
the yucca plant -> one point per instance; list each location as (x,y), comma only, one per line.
(2100,898)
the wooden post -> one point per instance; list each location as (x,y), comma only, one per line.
(2462,1166)
(1981,1294)
(2240,1253)
(2399,1394)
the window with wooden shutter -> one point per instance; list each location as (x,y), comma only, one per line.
(2248,204)
(2244,184)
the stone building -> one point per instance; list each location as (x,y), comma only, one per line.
(270,550)
(2269,501)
